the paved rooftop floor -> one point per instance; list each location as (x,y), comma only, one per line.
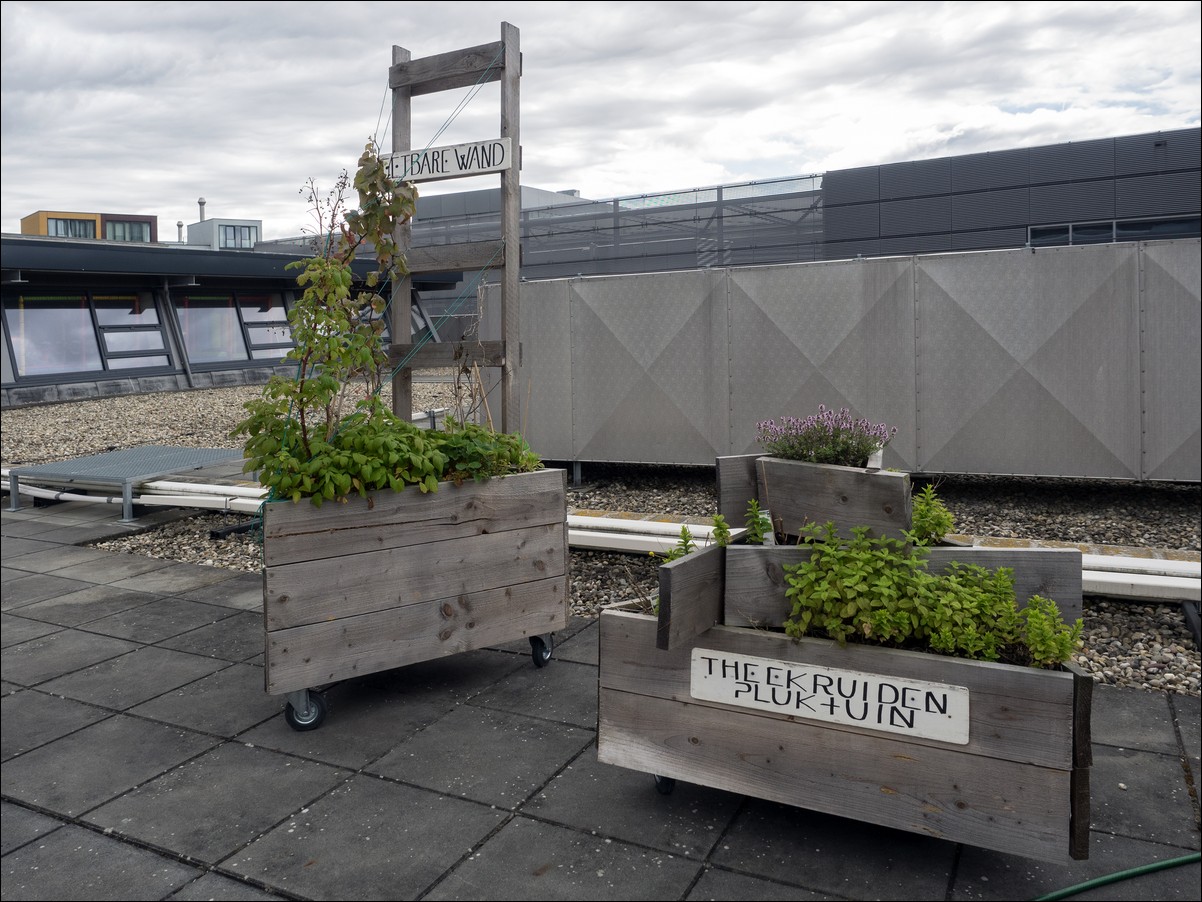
(142,759)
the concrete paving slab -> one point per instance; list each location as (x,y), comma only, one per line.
(614,801)
(122,682)
(214,887)
(113,568)
(528,859)
(1132,719)
(159,619)
(57,557)
(210,807)
(85,605)
(983,875)
(66,651)
(719,883)
(19,826)
(14,629)
(562,691)
(243,591)
(236,637)
(74,774)
(35,587)
(226,703)
(828,854)
(32,719)
(176,578)
(368,839)
(1141,795)
(582,648)
(105,869)
(485,755)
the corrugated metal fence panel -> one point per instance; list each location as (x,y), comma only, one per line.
(1026,363)
(833,333)
(544,381)
(1172,378)
(649,368)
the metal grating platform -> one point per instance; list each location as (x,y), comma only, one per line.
(118,470)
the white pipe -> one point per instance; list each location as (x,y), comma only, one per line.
(188,488)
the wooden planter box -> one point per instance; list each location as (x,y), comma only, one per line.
(989,755)
(402,577)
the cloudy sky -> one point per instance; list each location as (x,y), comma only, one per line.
(143,107)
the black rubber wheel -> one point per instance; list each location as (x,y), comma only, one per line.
(311,719)
(664,785)
(540,650)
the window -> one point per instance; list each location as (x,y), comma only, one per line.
(71,228)
(1106,232)
(236,236)
(219,328)
(127,231)
(68,333)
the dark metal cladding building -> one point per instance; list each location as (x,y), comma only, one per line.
(86,318)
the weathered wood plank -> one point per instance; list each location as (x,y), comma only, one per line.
(449,354)
(319,653)
(296,532)
(737,484)
(690,595)
(1054,573)
(318,590)
(796,493)
(755,578)
(446,71)
(935,791)
(1016,713)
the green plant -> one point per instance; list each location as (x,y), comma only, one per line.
(721,532)
(325,433)
(827,437)
(930,519)
(759,527)
(877,590)
(684,545)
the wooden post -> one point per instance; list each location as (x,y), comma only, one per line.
(400,322)
(511,225)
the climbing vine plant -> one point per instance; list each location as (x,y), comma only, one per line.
(325,432)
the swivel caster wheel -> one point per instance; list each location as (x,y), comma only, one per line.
(664,785)
(540,649)
(306,714)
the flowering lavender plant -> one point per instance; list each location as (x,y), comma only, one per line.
(827,437)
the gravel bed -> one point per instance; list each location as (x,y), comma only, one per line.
(1126,643)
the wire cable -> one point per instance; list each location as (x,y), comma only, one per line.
(1121,875)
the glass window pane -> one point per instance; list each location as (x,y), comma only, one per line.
(269,354)
(269,335)
(141,340)
(52,334)
(212,332)
(262,308)
(1093,233)
(125,309)
(129,363)
(1049,235)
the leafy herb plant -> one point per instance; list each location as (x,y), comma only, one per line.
(930,520)
(878,591)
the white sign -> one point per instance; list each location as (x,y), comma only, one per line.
(452,161)
(870,700)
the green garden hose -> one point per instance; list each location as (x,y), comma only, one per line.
(1121,875)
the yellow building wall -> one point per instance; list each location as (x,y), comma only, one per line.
(38,223)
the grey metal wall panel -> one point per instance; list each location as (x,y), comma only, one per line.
(851,186)
(544,379)
(849,250)
(1172,378)
(917,179)
(988,239)
(1026,363)
(916,244)
(1070,162)
(990,209)
(1073,202)
(1157,152)
(916,216)
(839,334)
(852,223)
(649,368)
(1158,195)
(984,171)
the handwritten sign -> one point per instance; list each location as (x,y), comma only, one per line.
(873,701)
(452,161)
